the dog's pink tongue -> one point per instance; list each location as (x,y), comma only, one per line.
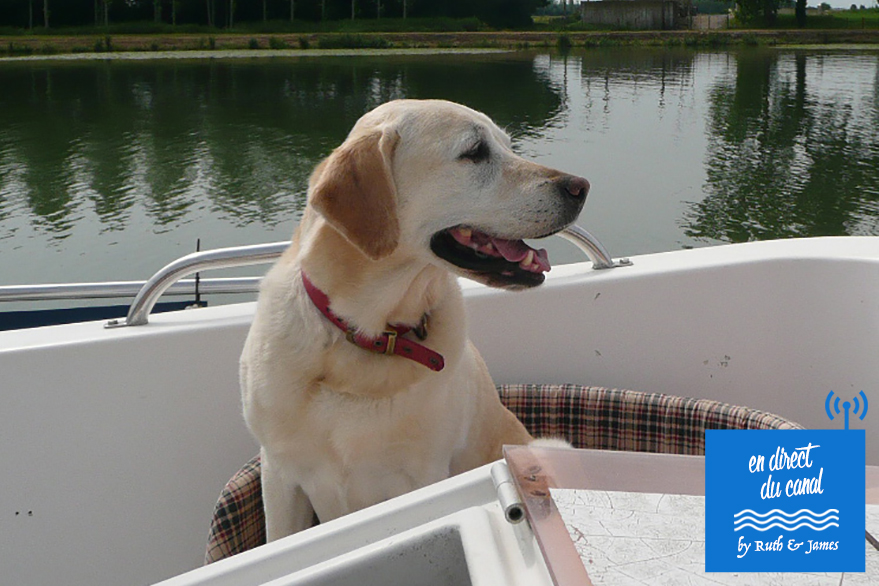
(516,251)
(512,250)
(542,259)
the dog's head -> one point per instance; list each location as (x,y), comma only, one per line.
(439,180)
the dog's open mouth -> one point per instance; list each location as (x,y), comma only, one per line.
(498,261)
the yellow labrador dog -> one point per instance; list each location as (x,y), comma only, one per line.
(357,376)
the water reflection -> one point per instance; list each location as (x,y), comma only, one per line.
(594,80)
(793,149)
(238,140)
(683,148)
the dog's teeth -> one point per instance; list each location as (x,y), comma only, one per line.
(465,233)
(488,248)
(528,260)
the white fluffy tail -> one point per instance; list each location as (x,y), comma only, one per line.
(550,442)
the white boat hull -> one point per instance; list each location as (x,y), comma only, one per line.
(117,442)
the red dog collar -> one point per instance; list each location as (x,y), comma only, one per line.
(389,342)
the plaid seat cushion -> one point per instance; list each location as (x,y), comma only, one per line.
(588,417)
(239,522)
(613,419)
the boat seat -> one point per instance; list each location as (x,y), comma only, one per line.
(588,417)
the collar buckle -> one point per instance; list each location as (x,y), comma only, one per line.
(392,341)
(386,343)
(389,342)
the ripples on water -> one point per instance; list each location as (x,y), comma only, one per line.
(110,170)
(793,149)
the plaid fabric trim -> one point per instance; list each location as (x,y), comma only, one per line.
(239,520)
(613,419)
(588,417)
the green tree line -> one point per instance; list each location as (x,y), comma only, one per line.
(184,140)
(228,13)
(765,12)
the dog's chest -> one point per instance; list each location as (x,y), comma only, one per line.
(365,451)
(361,427)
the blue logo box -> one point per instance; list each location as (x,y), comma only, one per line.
(784,500)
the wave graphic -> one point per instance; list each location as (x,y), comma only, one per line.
(787,527)
(786,521)
(783,514)
(806,518)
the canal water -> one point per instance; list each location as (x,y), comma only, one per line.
(111,169)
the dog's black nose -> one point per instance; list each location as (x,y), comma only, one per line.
(576,187)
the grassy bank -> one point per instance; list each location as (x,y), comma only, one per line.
(842,19)
(89,43)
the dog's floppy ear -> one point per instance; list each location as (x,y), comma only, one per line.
(355,192)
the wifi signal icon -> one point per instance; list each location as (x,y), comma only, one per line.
(846,407)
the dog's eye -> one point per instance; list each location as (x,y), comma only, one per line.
(477,153)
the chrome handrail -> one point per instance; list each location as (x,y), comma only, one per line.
(170,279)
(221,258)
(115,289)
(594,249)
(138,313)
(231,285)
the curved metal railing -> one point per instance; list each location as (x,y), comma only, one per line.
(221,258)
(594,249)
(138,313)
(116,289)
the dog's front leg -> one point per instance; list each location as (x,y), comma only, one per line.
(286,505)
